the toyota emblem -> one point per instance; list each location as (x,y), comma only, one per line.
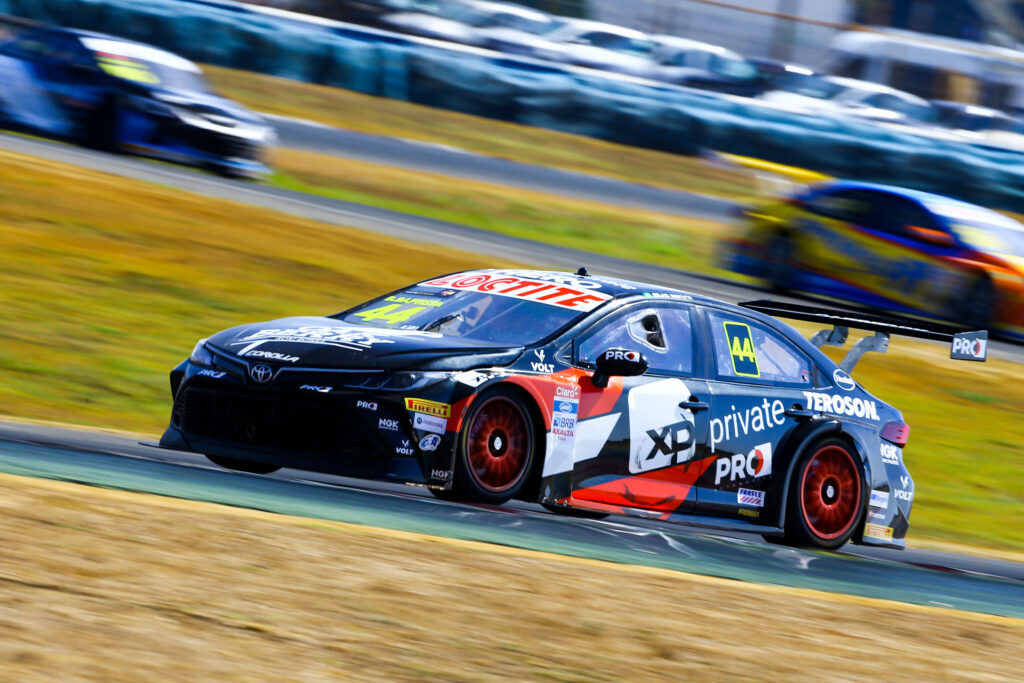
(261,373)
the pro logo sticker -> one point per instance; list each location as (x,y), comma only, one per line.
(741,349)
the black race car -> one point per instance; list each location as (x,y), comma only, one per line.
(119,95)
(584,393)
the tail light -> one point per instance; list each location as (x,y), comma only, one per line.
(897,433)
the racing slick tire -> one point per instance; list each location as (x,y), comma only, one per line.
(778,267)
(825,504)
(496,449)
(242,465)
(102,127)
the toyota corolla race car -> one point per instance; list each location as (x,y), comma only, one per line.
(582,393)
(890,248)
(115,94)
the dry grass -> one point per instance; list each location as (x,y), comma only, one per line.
(382,116)
(635,234)
(107,283)
(98,585)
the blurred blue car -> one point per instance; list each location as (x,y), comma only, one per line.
(118,95)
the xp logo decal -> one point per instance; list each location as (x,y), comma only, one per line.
(261,373)
(661,433)
(741,349)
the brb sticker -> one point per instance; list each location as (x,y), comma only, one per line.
(741,349)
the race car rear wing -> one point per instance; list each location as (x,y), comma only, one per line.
(964,345)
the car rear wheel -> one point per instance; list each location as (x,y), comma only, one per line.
(495,449)
(826,496)
(242,465)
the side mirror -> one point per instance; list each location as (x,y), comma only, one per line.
(618,363)
(929,236)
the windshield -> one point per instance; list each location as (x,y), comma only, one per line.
(984,230)
(147,65)
(808,85)
(487,306)
(732,67)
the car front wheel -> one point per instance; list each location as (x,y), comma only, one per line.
(495,449)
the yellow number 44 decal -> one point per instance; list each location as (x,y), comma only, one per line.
(741,349)
(392,314)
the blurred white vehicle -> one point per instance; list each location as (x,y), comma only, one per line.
(475,22)
(703,65)
(851,96)
(595,45)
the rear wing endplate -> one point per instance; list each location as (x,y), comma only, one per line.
(964,345)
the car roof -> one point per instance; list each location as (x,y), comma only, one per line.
(677,43)
(578,25)
(616,287)
(936,203)
(104,42)
(491,6)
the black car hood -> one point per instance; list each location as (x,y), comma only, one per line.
(316,342)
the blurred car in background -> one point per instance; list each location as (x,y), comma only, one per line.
(694,64)
(851,96)
(119,95)
(595,45)
(482,23)
(981,125)
(890,248)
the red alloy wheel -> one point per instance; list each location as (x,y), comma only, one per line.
(830,492)
(498,444)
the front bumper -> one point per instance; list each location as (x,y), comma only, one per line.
(337,429)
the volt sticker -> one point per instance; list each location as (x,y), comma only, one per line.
(741,349)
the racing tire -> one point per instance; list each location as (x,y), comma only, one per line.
(976,308)
(578,513)
(102,127)
(778,266)
(242,465)
(825,504)
(496,449)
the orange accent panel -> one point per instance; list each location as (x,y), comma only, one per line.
(665,489)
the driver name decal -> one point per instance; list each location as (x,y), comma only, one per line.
(516,287)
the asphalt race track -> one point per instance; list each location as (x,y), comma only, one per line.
(913,576)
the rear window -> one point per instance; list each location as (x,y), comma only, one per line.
(501,307)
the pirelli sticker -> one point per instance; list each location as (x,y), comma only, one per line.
(878,531)
(419,405)
(741,349)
